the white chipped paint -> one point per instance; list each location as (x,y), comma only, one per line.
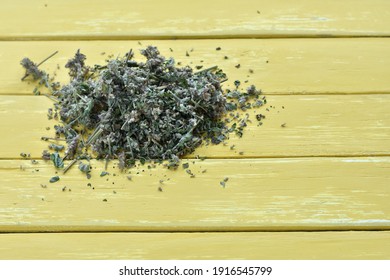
(365,160)
(105,221)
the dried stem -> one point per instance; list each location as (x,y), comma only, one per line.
(207,69)
(69,165)
(44,138)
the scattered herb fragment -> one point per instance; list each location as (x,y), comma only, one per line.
(56,148)
(57,160)
(54,179)
(84,167)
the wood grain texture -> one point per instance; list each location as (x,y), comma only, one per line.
(316,125)
(199,246)
(327,169)
(73,19)
(261,194)
(280,66)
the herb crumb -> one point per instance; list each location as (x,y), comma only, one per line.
(54,179)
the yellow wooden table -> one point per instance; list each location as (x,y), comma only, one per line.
(312,183)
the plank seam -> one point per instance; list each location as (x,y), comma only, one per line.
(183,37)
(387,229)
(252,157)
(273,93)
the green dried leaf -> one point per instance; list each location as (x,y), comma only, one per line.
(57,160)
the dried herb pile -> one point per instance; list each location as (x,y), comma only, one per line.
(131,110)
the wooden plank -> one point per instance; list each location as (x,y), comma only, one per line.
(192,19)
(282,66)
(358,245)
(261,194)
(321,125)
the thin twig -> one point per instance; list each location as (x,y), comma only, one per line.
(69,166)
(128,55)
(44,138)
(50,56)
(107,161)
(94,135)
(222,81)
(207,69)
